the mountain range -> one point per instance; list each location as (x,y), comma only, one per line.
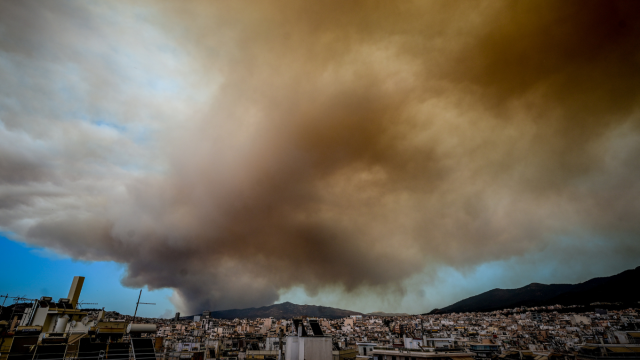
(382,313)
(284,310)
(620,288)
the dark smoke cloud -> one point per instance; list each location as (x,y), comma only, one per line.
(342,145)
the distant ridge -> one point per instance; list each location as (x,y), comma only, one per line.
(382,313)
(621,288)
(284,310)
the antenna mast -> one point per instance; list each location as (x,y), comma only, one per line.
(138,303)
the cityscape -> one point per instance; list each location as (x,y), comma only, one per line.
(46,329)
(320,180)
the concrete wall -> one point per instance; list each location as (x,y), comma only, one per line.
(292,350)
(40,317)
(309,348)
(317,348)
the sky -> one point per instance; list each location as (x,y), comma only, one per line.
(34,272)
(367,155)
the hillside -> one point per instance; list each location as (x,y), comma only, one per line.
(616,288)
(285,310)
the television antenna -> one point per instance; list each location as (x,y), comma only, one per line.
(17,299)
(138,303)
(82,303)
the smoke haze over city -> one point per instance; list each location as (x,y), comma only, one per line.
(358,154)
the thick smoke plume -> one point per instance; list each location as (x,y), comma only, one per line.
(345,145)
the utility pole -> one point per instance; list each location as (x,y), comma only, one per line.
(138,303)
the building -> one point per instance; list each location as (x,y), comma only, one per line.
(580,319)
(393,354)
(303,346)
(345,354)
(609,352)
(365,349)
(537,317)
(58,330)
(485,351)
(431,342)
(413,343)
(273,343)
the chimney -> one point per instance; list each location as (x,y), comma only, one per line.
(76,288)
